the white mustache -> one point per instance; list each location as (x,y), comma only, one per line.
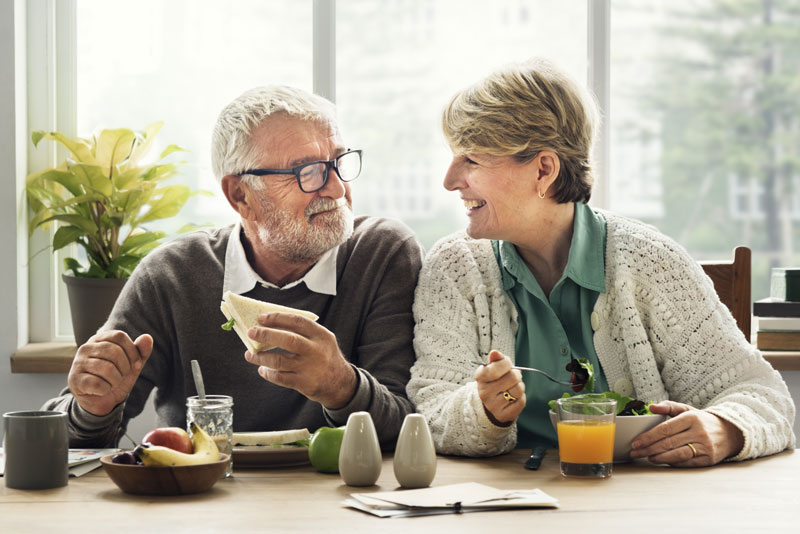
(321,205)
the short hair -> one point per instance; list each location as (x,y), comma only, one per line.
(232,151)
(522,109)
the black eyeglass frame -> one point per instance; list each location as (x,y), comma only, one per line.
(329,164)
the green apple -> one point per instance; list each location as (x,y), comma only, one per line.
(323,450)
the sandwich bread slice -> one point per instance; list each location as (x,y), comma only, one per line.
(274,438)
(243,313)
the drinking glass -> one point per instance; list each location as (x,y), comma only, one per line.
(214,414)
(586,436)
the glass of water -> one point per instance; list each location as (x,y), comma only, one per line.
(214,414)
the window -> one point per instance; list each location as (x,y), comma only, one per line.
(399,62)
(701,123)
(705,125)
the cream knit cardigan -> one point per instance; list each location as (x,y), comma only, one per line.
(660,332)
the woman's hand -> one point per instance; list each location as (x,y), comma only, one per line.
(496,379)
(712,439)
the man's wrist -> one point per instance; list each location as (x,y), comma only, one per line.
(344,391)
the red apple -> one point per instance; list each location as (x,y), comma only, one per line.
(172,437)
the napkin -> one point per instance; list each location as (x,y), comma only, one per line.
(454,498)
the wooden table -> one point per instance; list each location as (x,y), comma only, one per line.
(756,496)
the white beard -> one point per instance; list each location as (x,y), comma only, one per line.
(302,241)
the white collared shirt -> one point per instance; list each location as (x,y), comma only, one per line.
(240,277)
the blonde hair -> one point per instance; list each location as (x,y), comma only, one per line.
(522,109)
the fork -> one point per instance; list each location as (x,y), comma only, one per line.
(562,382)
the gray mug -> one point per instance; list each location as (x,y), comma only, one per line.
(35,447)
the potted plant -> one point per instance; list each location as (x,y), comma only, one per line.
(101,196)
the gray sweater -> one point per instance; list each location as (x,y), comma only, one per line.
(175,293)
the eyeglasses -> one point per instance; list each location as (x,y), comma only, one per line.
(313,176)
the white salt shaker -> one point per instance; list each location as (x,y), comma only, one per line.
(360,458)
(415,455)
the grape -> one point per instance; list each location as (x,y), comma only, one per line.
(126,458)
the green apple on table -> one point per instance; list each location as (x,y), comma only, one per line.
(323,450)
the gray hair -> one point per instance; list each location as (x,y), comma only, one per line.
(231,148)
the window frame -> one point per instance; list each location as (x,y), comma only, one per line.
(51,58)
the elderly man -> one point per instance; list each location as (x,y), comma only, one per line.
(284,167)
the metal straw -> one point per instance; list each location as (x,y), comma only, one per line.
(198,380)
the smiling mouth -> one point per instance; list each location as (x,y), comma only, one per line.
(473,205)
(327,207)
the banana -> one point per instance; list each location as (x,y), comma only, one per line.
(205,451)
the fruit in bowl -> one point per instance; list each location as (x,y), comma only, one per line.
(165,480)
(160,470)
(173,437)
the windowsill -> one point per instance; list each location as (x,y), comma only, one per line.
(43,358)
(57,358)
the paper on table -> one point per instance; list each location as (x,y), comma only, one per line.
(79,461)
(441,496)
(468,497)
(82,461)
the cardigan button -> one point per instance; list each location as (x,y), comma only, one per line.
(623,386)
(595,319)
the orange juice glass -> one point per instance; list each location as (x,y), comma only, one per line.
(586,436)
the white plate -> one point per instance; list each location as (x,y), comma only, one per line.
(270,456)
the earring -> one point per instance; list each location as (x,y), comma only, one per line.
(541,195)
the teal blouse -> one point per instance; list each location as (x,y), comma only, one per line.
(552,331)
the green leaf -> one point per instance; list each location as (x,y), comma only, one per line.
(168,204)
(171,149)
(228,325)
(72,182)
(128,178)
(92,176)
(71,264)
(80,148)
(144,142)
(114,147)
(135,241)
(66,235)
(37,136)
(75,220)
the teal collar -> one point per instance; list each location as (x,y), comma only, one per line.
(586,261)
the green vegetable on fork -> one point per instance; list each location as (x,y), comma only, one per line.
(583,372)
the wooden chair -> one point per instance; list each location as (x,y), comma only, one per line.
(732,282)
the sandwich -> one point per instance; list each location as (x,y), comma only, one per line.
(275,438)
(242,314)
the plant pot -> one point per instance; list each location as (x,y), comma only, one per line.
(90,303)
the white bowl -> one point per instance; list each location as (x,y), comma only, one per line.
(627,428)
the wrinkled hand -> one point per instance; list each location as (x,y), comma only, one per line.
(310,361)
(714,438)
(493,380)
(105,369)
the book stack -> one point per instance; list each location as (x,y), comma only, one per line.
(778,323)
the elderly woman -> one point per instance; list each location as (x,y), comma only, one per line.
(541,278)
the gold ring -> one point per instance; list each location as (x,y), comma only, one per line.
(694,451)
(509,397)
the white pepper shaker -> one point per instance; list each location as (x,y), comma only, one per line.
(360,458)
(415,455)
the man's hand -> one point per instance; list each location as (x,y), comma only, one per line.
(494,380)
(106,368)
(309,360)
(713,438)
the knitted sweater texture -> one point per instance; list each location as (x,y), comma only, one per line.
(660,333)
(174,295)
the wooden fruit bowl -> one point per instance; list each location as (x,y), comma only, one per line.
(164,480)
